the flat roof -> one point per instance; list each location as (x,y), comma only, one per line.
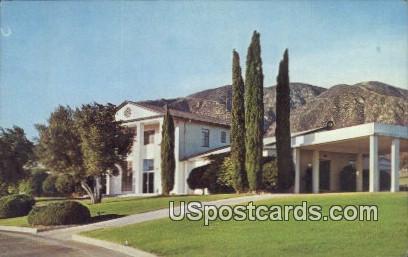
(354,139)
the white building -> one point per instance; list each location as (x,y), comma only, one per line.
(324,151)
(194,135)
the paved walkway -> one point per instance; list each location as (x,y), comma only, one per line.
(18,245)
(66,234)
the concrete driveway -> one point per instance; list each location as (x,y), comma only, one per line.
(21,245)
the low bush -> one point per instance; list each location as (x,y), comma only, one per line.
(16,205)
(59,213)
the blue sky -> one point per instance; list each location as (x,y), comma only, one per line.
(72,53)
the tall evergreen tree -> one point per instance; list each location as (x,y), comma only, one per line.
(168,162)
(282,131)
(254,113)
(238,126)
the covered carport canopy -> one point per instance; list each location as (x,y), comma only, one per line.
(359,145)
(372,139)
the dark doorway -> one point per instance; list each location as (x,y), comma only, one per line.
(324,176)
(148,182)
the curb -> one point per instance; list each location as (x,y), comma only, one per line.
(112,246)
(19,229)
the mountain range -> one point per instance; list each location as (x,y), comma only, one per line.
(311,106)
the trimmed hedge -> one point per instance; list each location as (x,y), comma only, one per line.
(59,213)
(15,205)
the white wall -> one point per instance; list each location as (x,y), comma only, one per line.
(191,138)
(188,141)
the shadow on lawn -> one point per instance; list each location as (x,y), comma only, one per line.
(104,217)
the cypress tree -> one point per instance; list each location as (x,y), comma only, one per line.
(254,113)
(168,162)
(238,126)
(282,131)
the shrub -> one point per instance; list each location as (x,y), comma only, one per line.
(25,187)
(196,180)
(37,180)
(3,189)
(226,174)
(33,184)
(59,213)
(270,176)
(65,184)
(15,205)
(48,186)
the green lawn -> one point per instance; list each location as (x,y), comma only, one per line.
(122,205)
(387,237)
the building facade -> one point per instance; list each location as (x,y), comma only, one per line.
(193,135)
(320,155)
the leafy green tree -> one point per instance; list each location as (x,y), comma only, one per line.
(168,163)
(16,151)
(238,127)
(104,143)
(65,184)
(282,131)
(86,143)
(59,148)
(254,113)
(59,145)
(32,184)
(48,186)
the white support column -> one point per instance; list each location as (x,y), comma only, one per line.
(158,161)
(316,171)
(359,172)
(138,166)
(108,184)
(374,182)
(296,159)
(395,164)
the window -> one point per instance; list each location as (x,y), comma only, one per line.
(149,137)
(223,137)
(148,164)
(206,137)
